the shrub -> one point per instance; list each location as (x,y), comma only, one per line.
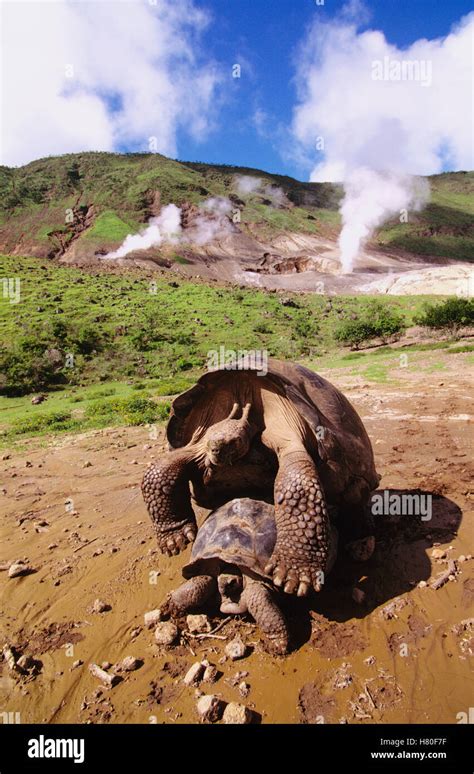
(453,313)
(377,321)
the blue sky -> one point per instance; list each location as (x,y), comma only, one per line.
(264,35)
(126,75)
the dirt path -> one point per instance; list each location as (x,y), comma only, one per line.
(73,510)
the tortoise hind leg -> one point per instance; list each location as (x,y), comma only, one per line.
(263,608)
(165,488)
(300,556)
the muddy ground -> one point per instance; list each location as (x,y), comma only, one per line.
(401,653)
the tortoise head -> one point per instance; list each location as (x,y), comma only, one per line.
(229,440)
(230,587)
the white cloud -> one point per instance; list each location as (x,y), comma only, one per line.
(136,74)
(391,127)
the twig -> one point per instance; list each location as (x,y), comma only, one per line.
(208,636)
(84,545)
(442,579)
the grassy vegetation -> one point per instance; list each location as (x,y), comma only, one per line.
(444,228)
(453,313)
(133,340)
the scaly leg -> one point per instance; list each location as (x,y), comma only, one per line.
(191,595)
(300,556)
(263,608)
(165,488)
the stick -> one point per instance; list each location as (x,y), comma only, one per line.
(444,578)
(84,545)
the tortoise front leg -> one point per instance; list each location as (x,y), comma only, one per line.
(165,489)
(191,595)
(264,610)
(300,556)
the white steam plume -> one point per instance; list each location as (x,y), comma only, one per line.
(378,115)
(247,184)
(166,228)
(370,199)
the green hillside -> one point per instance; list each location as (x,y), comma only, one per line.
(96,199)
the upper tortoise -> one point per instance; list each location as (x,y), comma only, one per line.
(289,437)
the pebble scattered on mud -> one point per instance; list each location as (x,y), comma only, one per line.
(198,624)
(236,649)
(237,714)
(166,633)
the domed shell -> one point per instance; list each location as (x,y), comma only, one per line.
(339,444)
(241,532)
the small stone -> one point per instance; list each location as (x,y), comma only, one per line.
(166,633)
(198,624)
(52,545)
(237,714)
(98,552)
(244,689)
(370,660)
(152,617)
(211,673)
(210,708)
(87,464)
(77,664)
(461,558)
(129,664)
(422,584)
(28,464)
(194,675)
(135,632)
(438,553)
(100,606)
(18,568)
(108,679)
(236,649)
(106,664)
(358,596)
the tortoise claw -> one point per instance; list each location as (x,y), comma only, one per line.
(173,543)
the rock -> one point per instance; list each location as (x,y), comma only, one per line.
(77,664)
(210,708)
(135,632)
(52,545)
(166,633)
(237,714)
(236,649)
(461,558)
(129,664)
(87,464)
(198,624)
(422,584)
(211,673)
(100,606)
(194,675)
(106,664)
(370,660)
(107,678)
(438,553)
(244,689)
(152,617)
(19,568)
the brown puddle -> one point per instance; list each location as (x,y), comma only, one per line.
(400,654)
